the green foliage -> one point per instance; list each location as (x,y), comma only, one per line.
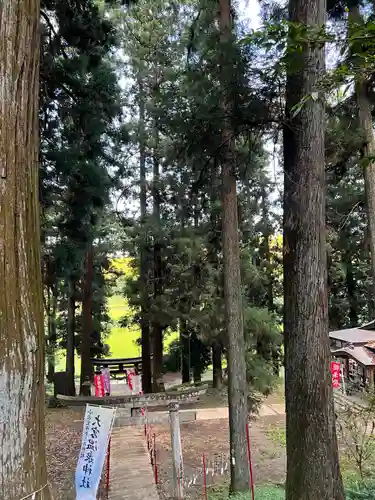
(354,491)
(180,129)
(172,361)
(357,430)
(199,356)
(348,263)
(261,493)
(84,156)
(277,435)
(79,105)
(360,490)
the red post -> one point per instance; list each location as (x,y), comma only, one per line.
(155,463)
(148,436)
(179,488)
(108,464)
(204,477)
(250,461)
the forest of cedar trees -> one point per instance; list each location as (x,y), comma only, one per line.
(209,165)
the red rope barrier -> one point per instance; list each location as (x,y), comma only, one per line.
(155,463)
(250,461)
(178,487)
(108,464)
(204,477)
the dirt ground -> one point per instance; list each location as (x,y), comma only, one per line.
(63,440)
(211,438)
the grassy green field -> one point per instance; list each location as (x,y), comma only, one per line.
(121,341)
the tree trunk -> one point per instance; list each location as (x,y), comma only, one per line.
(157,361)
(86,363)
(146,354)
(365,124)
(266,250)
(184,304)
(145,323)
(50,376)
(312,454)
(185,353)
(197,374)
(48,350)
(52,334)
(217,372)
(22,439)
(351,291)
(157,329)
(70,335)
(214,250)
(50,368)
(237,385)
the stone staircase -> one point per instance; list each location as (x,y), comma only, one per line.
(131,475)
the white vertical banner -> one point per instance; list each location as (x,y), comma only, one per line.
(97,429)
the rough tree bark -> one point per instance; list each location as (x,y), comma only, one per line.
(351,289)
(185,352)
(145,323)
(22,458)
(312,453)
(157,329)
(267,232)
(48,346)
(50,306)
(52,333)
(217,369)
(184,328)
(237,385)
(70,334)
(214,250)
(86,363)
(197,375)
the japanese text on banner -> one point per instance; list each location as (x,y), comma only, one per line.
(335,370)
(97,428)
(99,385)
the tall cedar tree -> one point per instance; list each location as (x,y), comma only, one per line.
(365,125)
(312,453)
(187,233)
(22,461)
(145,300)
(237,385)
(349,275)
(86,365)
(157,327)
(79,102)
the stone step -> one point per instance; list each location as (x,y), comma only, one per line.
(131,474)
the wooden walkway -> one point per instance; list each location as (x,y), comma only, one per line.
(131,475)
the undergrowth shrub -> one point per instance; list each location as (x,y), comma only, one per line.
(361,491)
(261,493)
